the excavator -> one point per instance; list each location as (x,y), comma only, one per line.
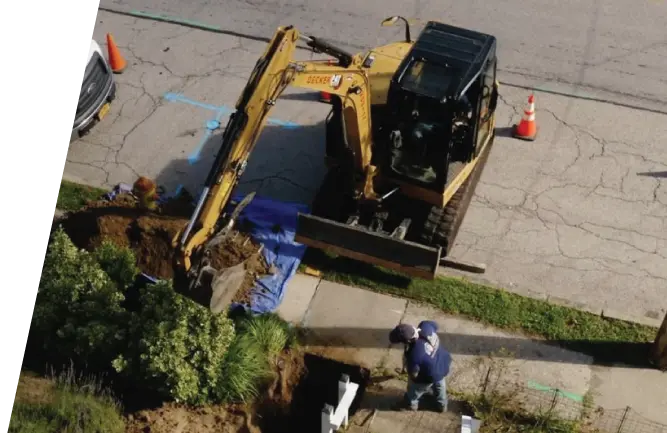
(410,128)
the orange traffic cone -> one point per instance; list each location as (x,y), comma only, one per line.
(527,128)
(118,63)
(325,97)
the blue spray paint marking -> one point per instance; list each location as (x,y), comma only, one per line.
(175,97)
(178,190)
(211,126)
(214,124)
(566,394)
(284,124)
(174,194)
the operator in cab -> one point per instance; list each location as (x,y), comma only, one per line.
(426,361)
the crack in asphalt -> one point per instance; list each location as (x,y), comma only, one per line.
(522,72)
(586,227)
(550,78)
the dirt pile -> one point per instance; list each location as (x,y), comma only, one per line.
(236,249)
(150,234)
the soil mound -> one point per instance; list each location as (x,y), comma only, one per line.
(150,234)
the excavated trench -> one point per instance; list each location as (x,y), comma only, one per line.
(316,386)
(293,402)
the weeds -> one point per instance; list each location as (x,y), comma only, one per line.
(502,405)
(67,403)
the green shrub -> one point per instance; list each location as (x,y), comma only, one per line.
(244,370)
(72,406)
(177,347)
(120,264)
(270,332)
(78,314)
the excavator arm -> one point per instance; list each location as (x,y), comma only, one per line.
(273,73)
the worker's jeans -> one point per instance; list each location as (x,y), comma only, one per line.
(417,390)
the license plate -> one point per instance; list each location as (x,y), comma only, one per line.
(103,111)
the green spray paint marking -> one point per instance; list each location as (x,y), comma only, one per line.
(571,396)
(175,20)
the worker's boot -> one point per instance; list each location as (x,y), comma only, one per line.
(403,406)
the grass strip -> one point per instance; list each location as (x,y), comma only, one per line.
(73,196)
(571,328)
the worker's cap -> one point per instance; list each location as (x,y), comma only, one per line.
(403,333)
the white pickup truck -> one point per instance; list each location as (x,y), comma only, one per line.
(97,92)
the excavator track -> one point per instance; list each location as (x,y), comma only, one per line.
(442,225)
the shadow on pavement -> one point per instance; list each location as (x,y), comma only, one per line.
(504,131)
(344,265)
(383,396)
(290,158)
(604,353)
(655,174)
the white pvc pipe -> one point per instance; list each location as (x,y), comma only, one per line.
(333,418)
(195,215)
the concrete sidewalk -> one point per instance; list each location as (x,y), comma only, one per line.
(352,325)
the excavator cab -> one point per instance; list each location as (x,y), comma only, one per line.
(432,129)
(410,128)
(437,107)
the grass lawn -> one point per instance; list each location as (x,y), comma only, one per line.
(61,405)
(571,328)
(73,196)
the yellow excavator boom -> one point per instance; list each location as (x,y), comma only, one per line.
(273,73)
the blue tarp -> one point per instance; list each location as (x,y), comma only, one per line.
(280,250)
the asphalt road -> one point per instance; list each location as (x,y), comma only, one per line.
(579,216)
(609,49)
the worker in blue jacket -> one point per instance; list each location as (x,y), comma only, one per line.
(426,361)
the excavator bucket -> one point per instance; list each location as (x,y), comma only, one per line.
(369,247)
(208,285)
(225,285)
(213,287)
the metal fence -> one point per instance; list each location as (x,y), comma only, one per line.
(556,403)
